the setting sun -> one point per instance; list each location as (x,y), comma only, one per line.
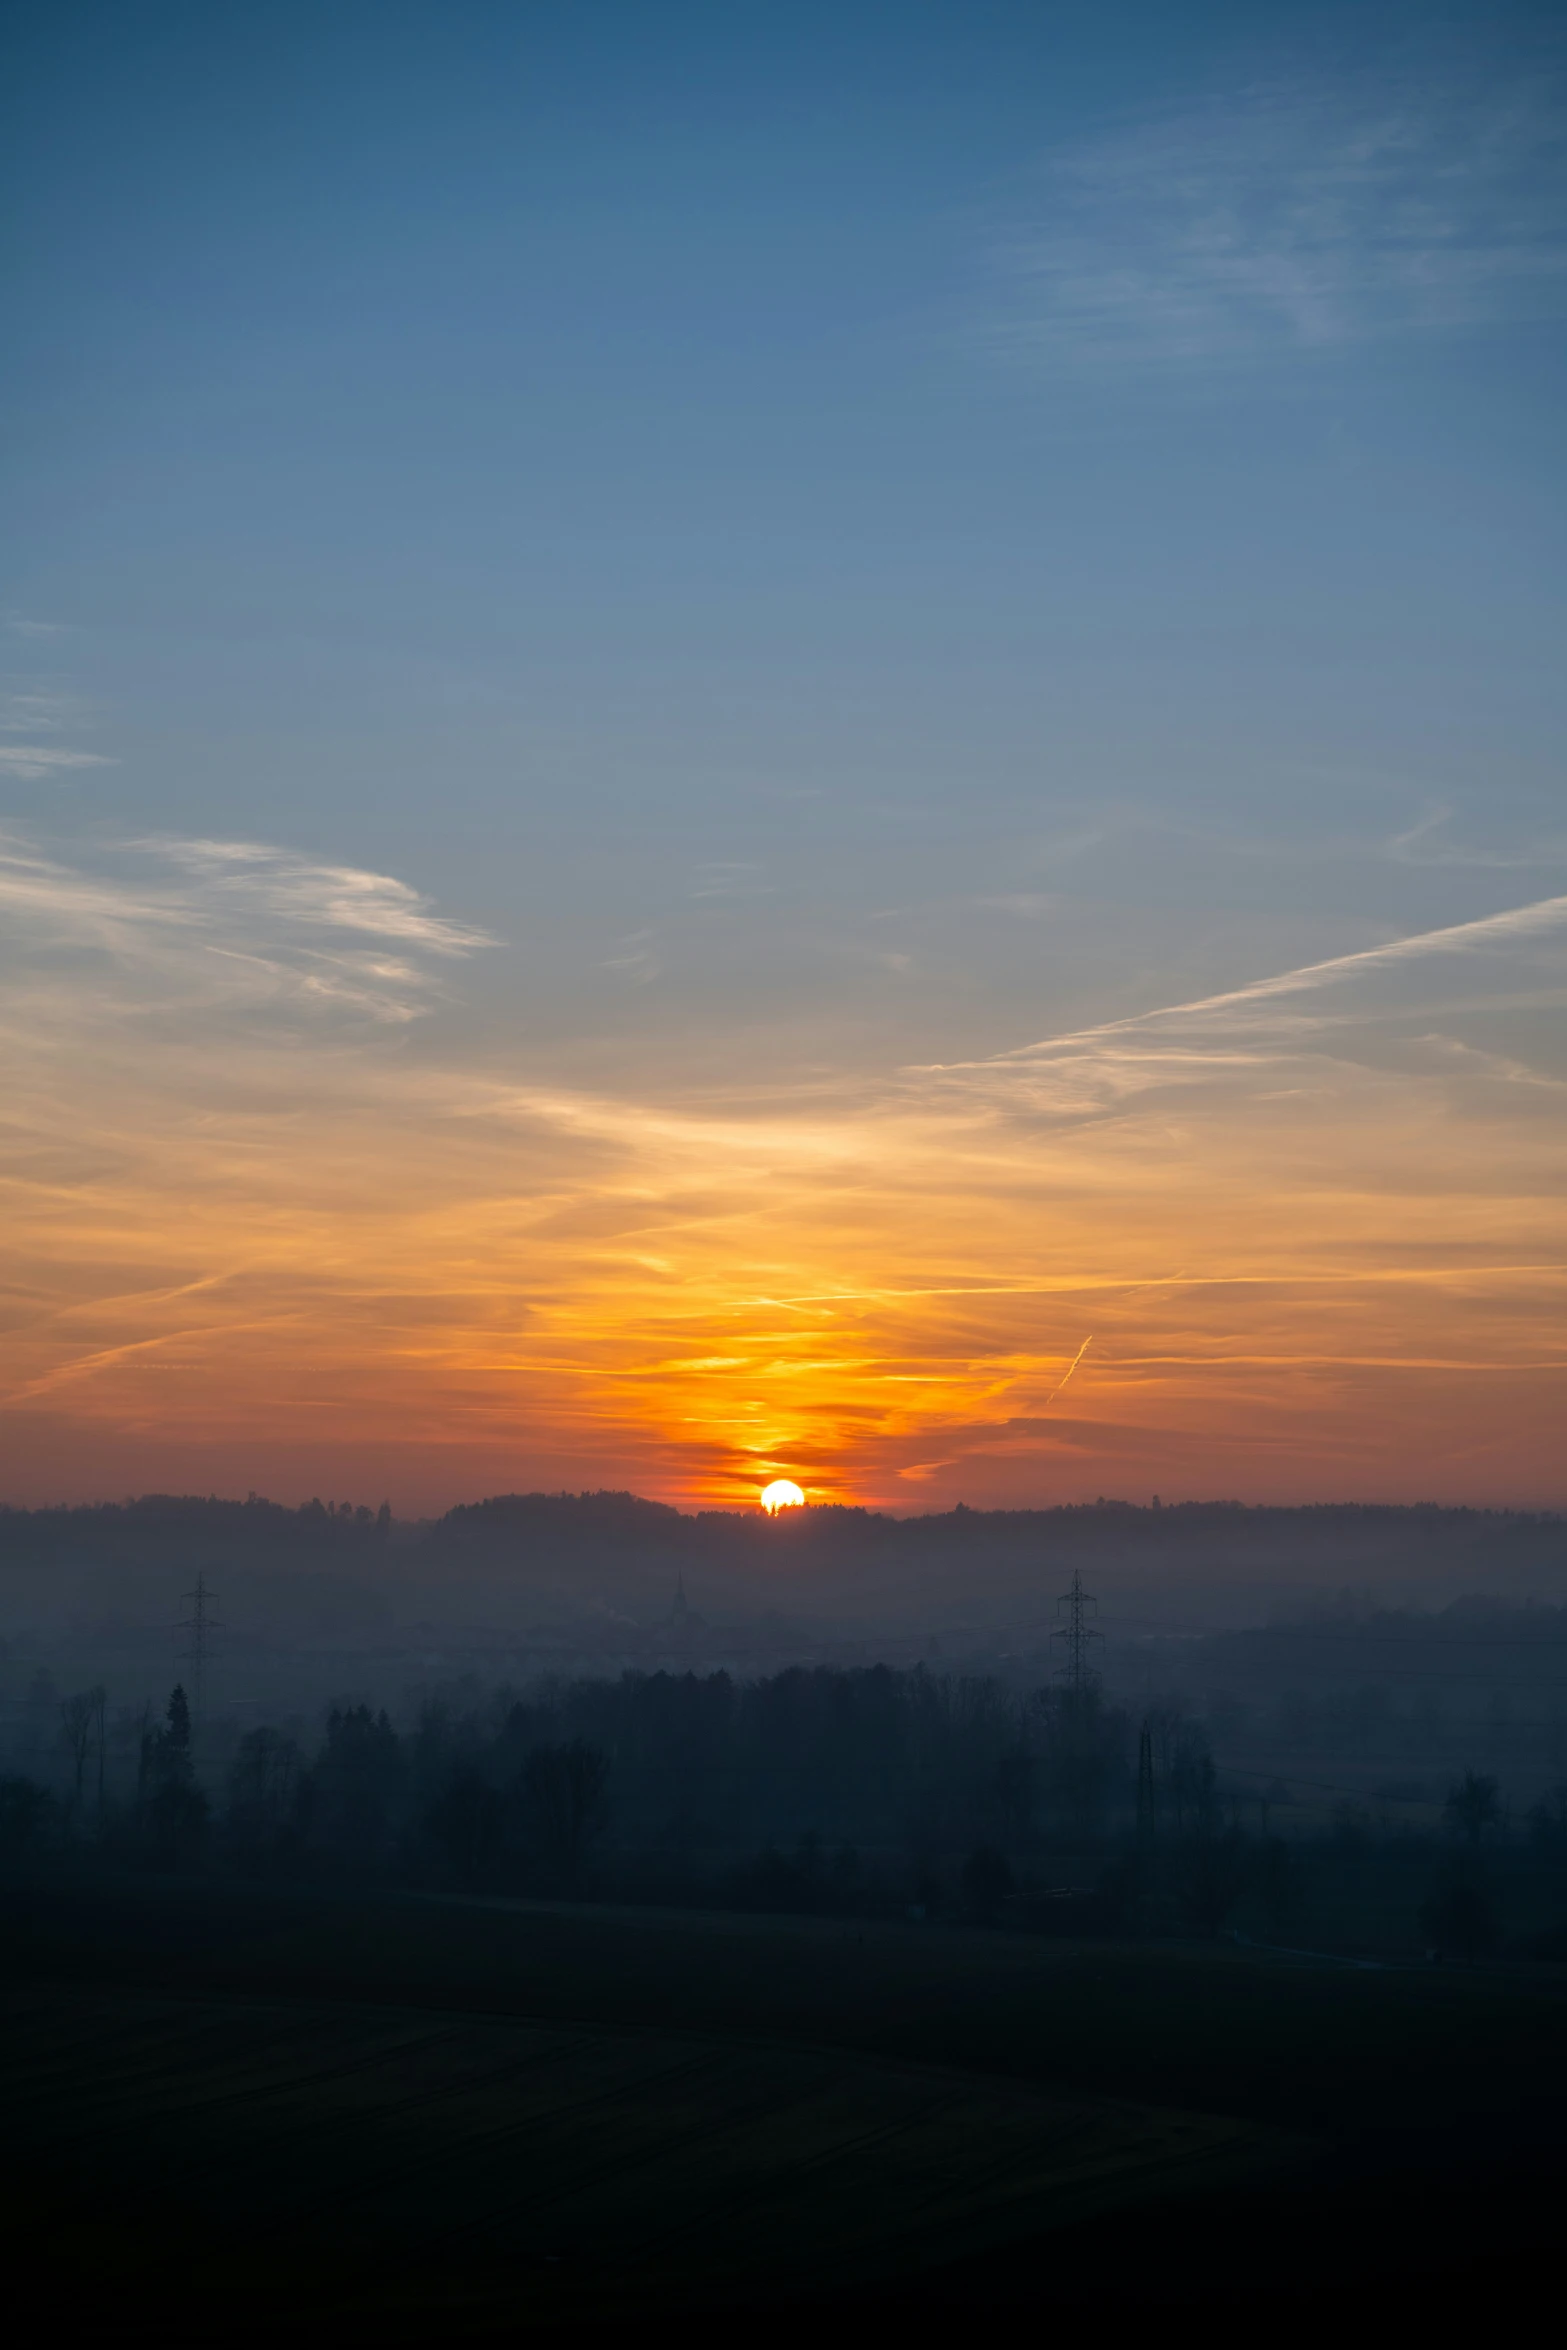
(781,1495)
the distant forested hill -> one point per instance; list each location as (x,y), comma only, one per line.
(515,1556)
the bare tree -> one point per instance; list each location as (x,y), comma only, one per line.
(79,1716)
(263,1792)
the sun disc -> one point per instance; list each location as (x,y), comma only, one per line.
(781,1495)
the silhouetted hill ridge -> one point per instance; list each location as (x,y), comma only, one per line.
(564,1552)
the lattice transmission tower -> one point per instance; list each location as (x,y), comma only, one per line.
(1077,1637)
(198,1628)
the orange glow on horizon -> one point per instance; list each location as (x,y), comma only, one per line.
(1320,1256)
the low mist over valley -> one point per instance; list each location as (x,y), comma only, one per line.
(1325,1656)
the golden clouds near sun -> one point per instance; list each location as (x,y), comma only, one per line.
(1334,1264)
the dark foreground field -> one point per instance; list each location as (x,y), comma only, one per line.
(268,2116)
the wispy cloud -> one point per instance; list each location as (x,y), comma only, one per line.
(1251,1028)
(24,625)
(1296,216)
(238,1212)
(33,761)
(32,711)
(228,926)
(729,877)
(639,959)
(253,879)
(36,703)
(1430,843)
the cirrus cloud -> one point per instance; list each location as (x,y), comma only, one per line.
(1295,216)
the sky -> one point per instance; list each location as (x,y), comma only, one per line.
(783,740)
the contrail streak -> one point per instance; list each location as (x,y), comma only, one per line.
(1546,915)
(1071,1367)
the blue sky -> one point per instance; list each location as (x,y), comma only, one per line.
(834,539)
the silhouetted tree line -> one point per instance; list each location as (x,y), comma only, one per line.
(777,1790)
(816,1790)
(766,1792)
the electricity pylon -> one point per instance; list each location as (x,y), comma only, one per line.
(1077,1670)
(198,1628)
